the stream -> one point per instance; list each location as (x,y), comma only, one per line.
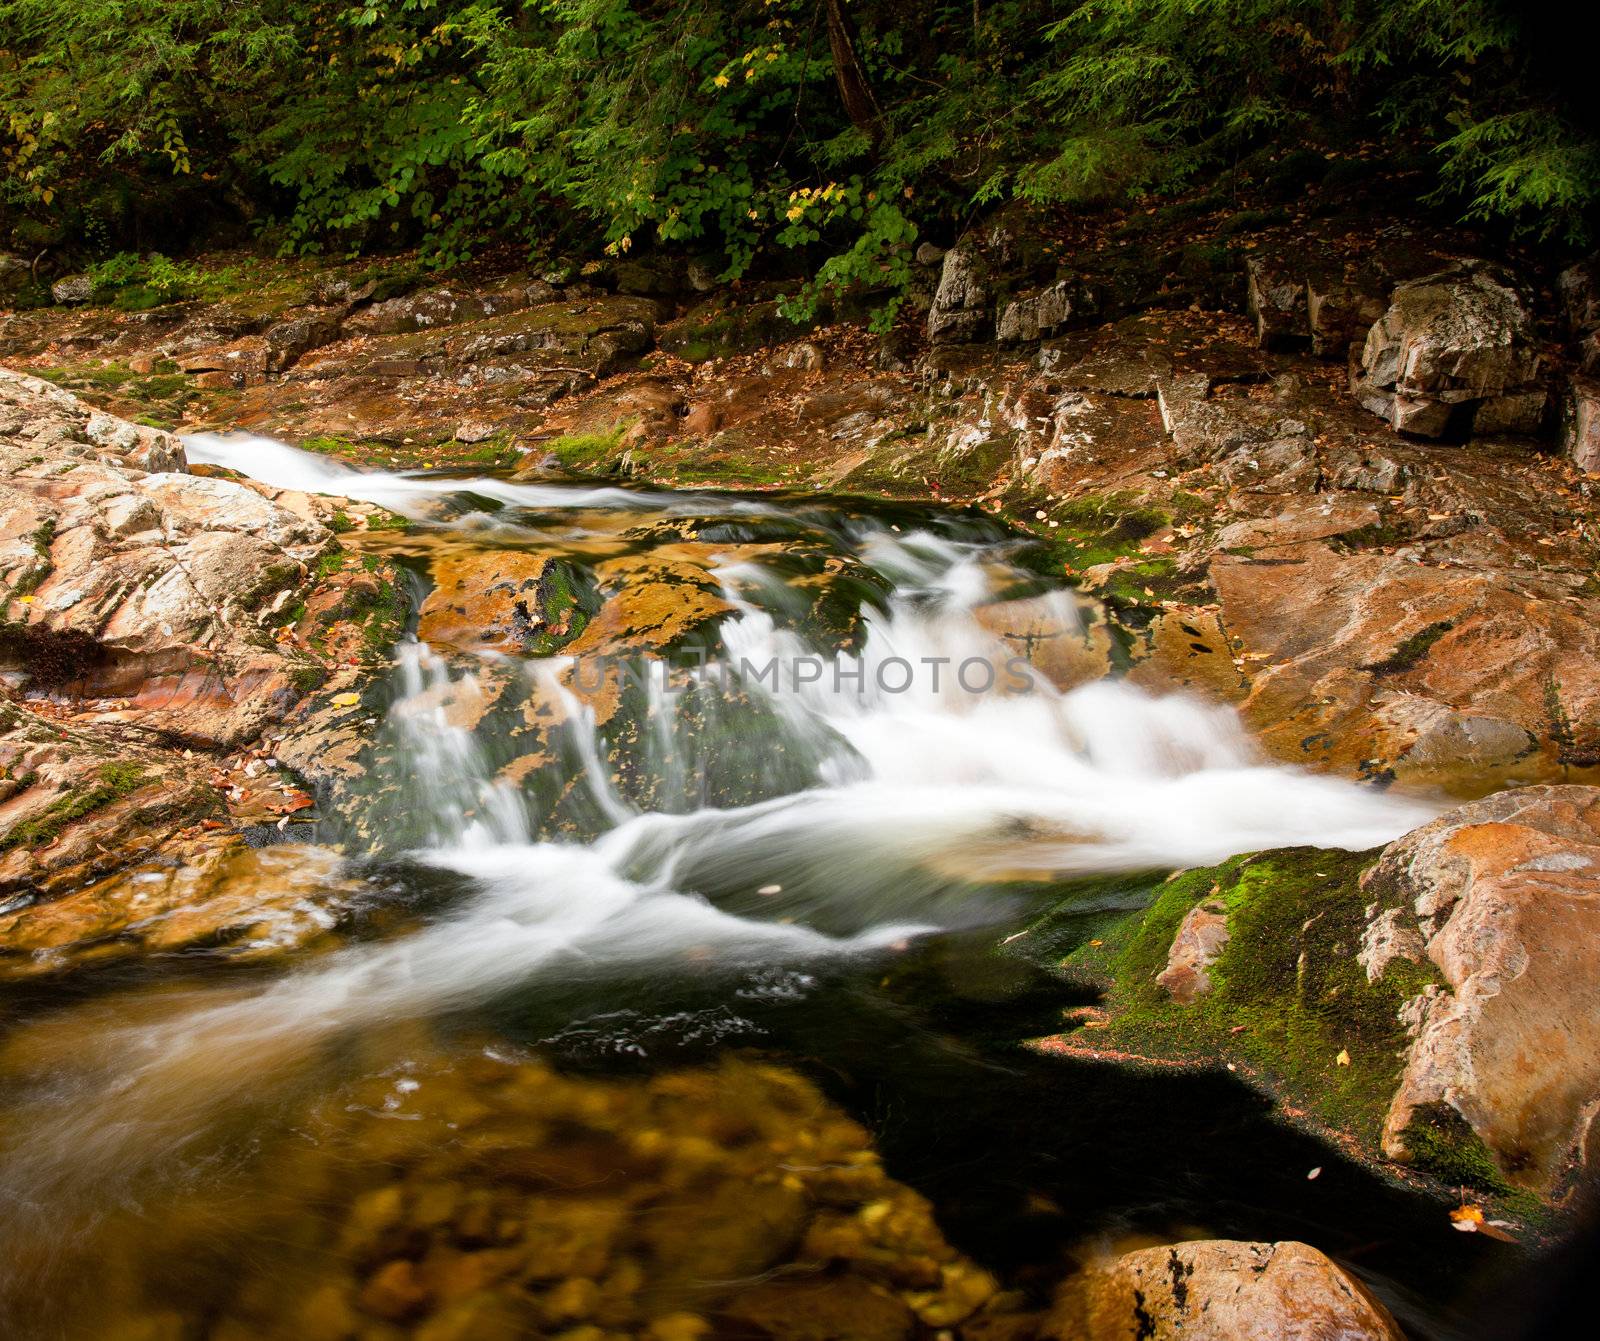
(670,961)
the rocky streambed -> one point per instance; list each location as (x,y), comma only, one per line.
(411,927)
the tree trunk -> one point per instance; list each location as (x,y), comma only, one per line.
(854,91)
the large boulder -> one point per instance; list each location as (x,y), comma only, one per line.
(1219,1290)
(1454,354)
(1502,897)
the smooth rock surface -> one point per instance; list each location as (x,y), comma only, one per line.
(1503,897)
(1218,1290)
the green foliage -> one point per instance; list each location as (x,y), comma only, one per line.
(620,125)
(132,281)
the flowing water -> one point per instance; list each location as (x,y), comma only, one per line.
(670,963)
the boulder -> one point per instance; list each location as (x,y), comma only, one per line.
(1452,349)
(963,303)
(1502,897)
(449,306)
(289,340)
(1340,309)
(73,290)
(1219,1290)
(1580,423)
(1041,314)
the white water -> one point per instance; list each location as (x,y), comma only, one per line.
(924,801)
(415,495)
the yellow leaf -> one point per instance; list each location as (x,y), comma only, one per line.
(346,700)
(1343,1059)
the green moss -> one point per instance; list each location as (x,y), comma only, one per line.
(330,446)
(1090,530)
(385,618)
(1288,995)
(42,535)
(116,781)
(1412,650)
(340,522)
(567,600)
(1440,1141)
(307,677)
(388,521)
(497,453)
(587,451)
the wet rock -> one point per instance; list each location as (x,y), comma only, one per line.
(1503,895)
(1219,1290)
(394,1292)
(1050,634)
(963,303)
(239,902)
(1201,938)
(1370,661)
(1452,346)
(505,601)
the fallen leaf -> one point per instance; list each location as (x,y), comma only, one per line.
(1314,1174)
(345,700)
(1343,1059)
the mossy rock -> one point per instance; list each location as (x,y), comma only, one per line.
(1289,1003)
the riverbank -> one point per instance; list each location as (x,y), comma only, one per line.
(1336,481)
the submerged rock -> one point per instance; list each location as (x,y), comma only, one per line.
(1219,1290)
(236,901)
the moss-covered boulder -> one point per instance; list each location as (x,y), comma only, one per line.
(1285,997)
(1430,1003)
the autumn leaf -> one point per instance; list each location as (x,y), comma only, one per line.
(1343,1059)
(346,700)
